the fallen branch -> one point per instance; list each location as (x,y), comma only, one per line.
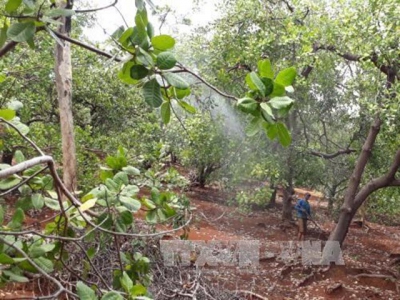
(373,276)
(251,294)
(305,279)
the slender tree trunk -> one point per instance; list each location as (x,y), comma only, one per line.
(63,75)
(288,191)
(272,200)
(287,204)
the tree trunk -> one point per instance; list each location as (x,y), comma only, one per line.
(272,200)
(287,204)
(349,208)
(63,75)
(342,227)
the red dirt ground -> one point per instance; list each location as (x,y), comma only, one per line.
(366,251)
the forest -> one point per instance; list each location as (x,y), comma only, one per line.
(167,159)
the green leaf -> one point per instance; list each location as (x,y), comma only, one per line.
(3,77)
(112,296)
(12,5)
(37,201)
(21,32)
(121,178)
(165,112)
(125,35)
(286,76)
(163,42)
(278,90)
(7,114)
(248,105)
(269,85)
(132,204)
(281,102)
(118,33)
(151,216)
(88,204)
(144,58)
(119,225)
(253,127)
(30,4)
(187,107)
(19,156)
(141,20)
(20,126)
(126,217)
(139,4)
(60,12)
(17,219)
(1,215)
(271,130)
(5,259)
(267,113)
(36,251)
(51,203)
(265,69)
(180,94)
(45,264)
(166,60)
(257,83)
(105,220)
(139,37)
(283,134)
(126,282)
(3,36)
(131,170)
(161,215)
(150,30)
(176,80)
(148,203)
(138,290)
(152,93)
(139,72)
(289,89)
(15,277)
(84,292)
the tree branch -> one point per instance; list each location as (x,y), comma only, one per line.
(332,155)
(78,11)
(389,179)
(7,48)
(186,70)
(87,47)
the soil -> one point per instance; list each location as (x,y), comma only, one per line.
(371,254)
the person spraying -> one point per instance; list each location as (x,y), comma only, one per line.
(303,210)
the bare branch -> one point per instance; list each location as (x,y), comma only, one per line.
(87,47)
(78,11)
(332,155)
(23,136)
(7,48)
(25,165)
(186,70)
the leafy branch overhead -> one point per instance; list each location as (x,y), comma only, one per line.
(267,101)
(154,67)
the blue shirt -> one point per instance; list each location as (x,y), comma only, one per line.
(303,205)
